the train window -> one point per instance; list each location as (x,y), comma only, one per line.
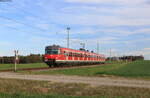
(65,53)
(78,55)
(51,51)
(81,55)
(85,55)
(75,54)
(70,54)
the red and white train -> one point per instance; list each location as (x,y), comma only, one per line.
(59,56)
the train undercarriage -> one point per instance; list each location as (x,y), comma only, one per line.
(54,63)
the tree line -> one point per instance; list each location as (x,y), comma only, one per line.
(32,58)
(37,58)
(126,58)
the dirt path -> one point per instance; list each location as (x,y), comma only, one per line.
(94,81)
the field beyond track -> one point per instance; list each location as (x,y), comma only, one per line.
(126,69)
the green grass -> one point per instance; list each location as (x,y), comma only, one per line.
(11,66)
(128,69)
(91,71)
(79,71)
(11,88)
(134,69)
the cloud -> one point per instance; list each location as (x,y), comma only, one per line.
(122,2)
(103,40)
(43,26)
(136,15)
(144,31)
(94,20)
(86,31)
(5,43)
(147,49)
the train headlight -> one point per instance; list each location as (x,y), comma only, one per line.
(46,59)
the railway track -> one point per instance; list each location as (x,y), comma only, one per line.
(50,68)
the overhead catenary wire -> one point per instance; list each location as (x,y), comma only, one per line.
(28,25)
(16,29)
(22,10)
(27,12)
(32,15)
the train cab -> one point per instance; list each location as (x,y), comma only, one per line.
(51,54)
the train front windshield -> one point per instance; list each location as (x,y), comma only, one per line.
(51,51)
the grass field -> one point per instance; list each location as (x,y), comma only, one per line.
(11,66)
(135,69)
(11,88)
(127,69)
(130,69)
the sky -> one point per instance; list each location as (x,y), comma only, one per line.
(122,26)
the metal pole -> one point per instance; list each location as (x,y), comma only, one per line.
(68,38)
(97,48)
(83,45)
(110,55)
(16,59)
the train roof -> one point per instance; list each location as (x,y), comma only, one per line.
(53,47)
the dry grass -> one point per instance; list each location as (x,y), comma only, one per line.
(24,87)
